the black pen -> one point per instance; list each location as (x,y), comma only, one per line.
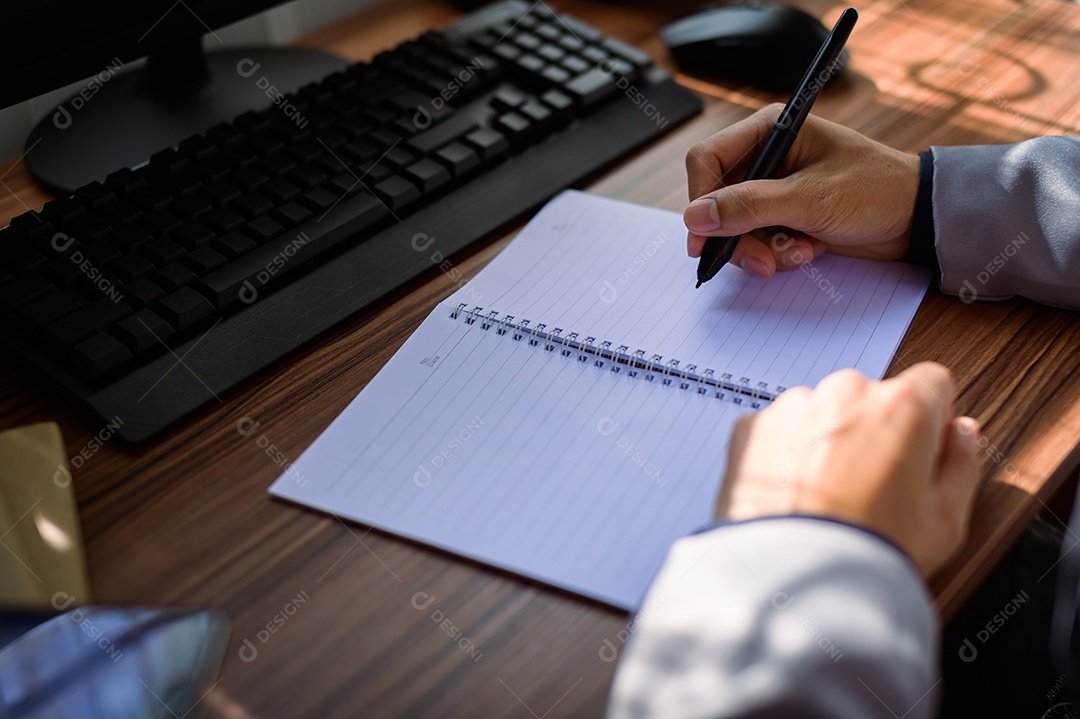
(718,250)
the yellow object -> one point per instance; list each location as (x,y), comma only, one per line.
(42,563)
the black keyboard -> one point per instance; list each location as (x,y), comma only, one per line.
(159,288)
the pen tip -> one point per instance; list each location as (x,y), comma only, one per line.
(698,285)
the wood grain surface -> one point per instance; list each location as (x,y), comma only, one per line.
(325,617)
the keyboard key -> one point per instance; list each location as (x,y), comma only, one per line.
(224,286)
(459,158)
(88,228)
(508,98)
(580,30)
(399,158)
(190,208)
(151,198)
(142,293)
(162,251)
(130,237)
(558,101)
(161,223)
(513,125)
(506,51)
(50,307)
(97,316)
(222,220)
(131,267)
(99,354)
(429,140)
(528,41)
(221,193)
(318,200)
(63,272)
(253,205)
(173,276)
(279,191)
(490,143)
(574,64)
(555,75)
(263,229)
(22,258)
(307,178)
(234,244)
(570,43)
(628,53)
(590,87)
(551,53)
(531,64)
(537,113)
(143,331)
(184,308)
(204,260)
(292,214)
(23,289)
(194,235)
(428,175)
(121,213)
(397,192)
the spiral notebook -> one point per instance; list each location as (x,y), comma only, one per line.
(565,415)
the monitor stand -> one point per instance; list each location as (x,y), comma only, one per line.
(120,121)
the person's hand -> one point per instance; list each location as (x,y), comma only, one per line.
(889,456)
(837,191)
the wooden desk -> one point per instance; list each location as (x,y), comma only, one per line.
(186,520)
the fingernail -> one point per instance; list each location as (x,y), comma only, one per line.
(701,215)
(755,267)
(794,256)
(969,427)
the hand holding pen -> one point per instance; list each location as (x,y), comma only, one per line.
(717,251)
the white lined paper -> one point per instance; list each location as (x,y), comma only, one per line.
(563,471)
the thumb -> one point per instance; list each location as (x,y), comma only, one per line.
(738,209)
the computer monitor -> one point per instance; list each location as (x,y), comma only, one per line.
(119,117)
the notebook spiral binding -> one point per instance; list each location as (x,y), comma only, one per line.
(635,364)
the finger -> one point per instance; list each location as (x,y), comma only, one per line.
(789,249)
(710,160)
(752,255)
(736,448)
(934,385)
(958,473)
(737,209)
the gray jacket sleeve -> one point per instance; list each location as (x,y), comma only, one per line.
(781,617)
(1007,220)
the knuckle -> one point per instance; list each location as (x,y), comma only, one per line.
(744,199)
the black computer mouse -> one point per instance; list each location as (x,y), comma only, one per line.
(766,45)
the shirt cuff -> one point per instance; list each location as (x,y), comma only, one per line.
(921,246)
